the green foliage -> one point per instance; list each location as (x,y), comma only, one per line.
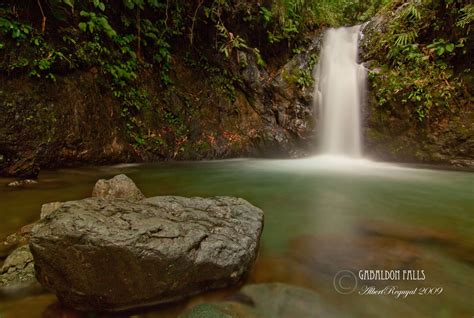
(403,39)
(288,20)
(221,79)
(230,41)
(466,16)
(441,47)
(304,77)
(96,23)
(424,90)
(19,35)
(412,13)
(416,70)
(404,30)
(134,100)
(122,73)
(14,29)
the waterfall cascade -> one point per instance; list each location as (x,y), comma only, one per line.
(339,91)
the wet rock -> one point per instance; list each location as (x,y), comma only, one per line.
(20,183)
(119,187)
(252,74)
(292,104)
(24,169)
(18,270)
(273,300)
(285,107)
(6,247)
(112,255)
(48,208)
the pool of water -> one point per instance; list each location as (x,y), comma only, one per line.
(322,216)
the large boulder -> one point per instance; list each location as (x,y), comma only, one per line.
(119,187)
(111,255)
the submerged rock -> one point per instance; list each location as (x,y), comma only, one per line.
(18,270)
(273,300)
(119,187)
(20,183)
(282,268)
(407,232)
(111,255)
(327,255)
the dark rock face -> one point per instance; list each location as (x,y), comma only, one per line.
(23,168)
(284,106)
(111,255)
(46,124)
(119,187)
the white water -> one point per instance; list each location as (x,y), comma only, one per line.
(339,89)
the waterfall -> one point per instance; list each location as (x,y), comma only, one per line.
(339,91)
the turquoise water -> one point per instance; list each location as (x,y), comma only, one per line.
(321,216)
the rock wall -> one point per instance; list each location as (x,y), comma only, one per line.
(443,132)
(76,119)
(48,124)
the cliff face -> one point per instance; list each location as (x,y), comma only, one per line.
(106,82)
(204,81)
(420,83)
(70,121)
(208,113)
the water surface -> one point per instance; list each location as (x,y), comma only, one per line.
(321,216)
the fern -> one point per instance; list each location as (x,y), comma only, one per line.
(403,39)
(466,17)
(412,13)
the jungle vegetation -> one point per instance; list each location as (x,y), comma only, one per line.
(423,54)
